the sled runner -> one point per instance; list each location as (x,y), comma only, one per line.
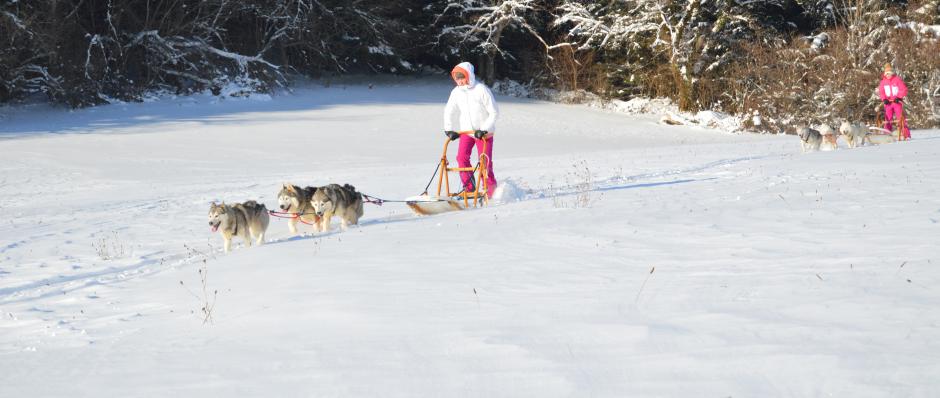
(880,131)
(444,200)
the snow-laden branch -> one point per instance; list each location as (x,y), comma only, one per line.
(482,24)
(604,29)
(173,47)
(242,60)
(922,29)
(16,21)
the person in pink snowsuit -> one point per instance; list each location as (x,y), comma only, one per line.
(471,107)
(892,92)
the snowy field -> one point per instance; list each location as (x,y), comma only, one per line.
(633,259)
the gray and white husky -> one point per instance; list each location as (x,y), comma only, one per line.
(296,200)
(342,201)
(854,134)
(248,221)
(810,139)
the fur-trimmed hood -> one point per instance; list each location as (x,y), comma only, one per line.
(467,69)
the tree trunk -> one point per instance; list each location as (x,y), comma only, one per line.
(490,68)
(685,87)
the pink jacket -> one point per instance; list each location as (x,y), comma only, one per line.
(891,88)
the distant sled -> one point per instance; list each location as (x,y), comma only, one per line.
(879,136)
(879,130)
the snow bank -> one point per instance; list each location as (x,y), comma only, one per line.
(508,192)
(637,106)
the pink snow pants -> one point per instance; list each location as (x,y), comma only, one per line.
(464,150)
(894,111)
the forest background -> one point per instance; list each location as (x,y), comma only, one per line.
(774,63)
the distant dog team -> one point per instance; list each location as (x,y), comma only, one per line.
(826,139)
(315,206)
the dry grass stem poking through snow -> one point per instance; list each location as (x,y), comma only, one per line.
(206,300)
(111,247)
(637,299)
(579,182)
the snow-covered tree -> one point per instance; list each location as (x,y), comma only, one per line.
(615,25)
(702,38)
(85,53)
(478,27)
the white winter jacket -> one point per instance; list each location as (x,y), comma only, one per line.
(472,107)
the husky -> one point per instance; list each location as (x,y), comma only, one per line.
(854,134)
(810,139)
(296,200)
(829,142)
(247,220)
(342,201)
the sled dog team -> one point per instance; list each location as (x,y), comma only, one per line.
(470,107)
(826,139)
(311,205)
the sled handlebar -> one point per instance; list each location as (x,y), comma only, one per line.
(447,140)
(470,132)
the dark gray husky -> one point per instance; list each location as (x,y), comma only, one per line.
(342,201)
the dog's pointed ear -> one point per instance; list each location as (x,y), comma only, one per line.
(289,187)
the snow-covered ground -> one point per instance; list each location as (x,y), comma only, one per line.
(632,259)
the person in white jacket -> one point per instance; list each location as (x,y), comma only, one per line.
(471,107)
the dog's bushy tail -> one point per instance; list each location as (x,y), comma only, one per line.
(352,191)
(309,191)
(255,206)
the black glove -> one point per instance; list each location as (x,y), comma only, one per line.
(898,100)
(887,102)
(452,135)
(479,134)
